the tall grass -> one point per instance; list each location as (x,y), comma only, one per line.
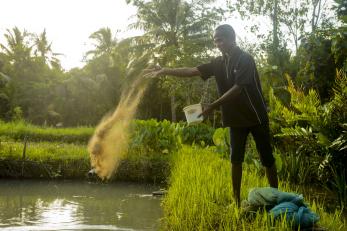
(22,130)
(200,197)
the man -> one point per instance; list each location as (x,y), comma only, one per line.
(241,100)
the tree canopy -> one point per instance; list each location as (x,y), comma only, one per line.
(307,41)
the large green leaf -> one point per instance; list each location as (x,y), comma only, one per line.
(218,137)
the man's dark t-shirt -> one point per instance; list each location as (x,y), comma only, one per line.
(248,108)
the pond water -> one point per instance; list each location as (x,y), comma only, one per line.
(71,205)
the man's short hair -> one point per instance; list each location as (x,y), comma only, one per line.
(227,31)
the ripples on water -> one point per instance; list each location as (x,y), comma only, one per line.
(32,205)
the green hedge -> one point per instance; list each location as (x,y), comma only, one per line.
(20,130)
(49,160)
(201,134)
(156,135)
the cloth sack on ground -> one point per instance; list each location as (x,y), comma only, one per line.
(294,214)
(282,204)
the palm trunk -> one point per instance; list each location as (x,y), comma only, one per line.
(173,108)
(275,37)
(161,111)
(275,26)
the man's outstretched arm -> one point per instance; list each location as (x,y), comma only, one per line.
(179,72)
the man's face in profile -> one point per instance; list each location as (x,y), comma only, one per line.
(222,42)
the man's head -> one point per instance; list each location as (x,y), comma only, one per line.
(224,38)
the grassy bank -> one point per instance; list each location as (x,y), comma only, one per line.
(155,134)
(21,130)
(200,197)
(52,160)
(62,152)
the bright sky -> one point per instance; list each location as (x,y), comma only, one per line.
(69,23)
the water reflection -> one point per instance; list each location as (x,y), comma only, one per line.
(31,205)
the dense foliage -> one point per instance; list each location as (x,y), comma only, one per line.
(34,86)
(312,135)
(199,134)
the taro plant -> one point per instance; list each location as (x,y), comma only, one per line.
(221,138)
(200,134)
(153,136)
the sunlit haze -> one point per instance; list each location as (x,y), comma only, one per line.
(69,24)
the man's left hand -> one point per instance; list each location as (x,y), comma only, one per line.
(206,110)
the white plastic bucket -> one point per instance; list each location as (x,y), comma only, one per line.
(192,112)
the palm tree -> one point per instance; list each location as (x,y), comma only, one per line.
(44,50)
(104,42)
(17,48)
(170,25)
(176,33)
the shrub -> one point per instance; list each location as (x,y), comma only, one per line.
(154,136)
(311,133)
(200,134)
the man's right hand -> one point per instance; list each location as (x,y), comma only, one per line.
(153,72)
